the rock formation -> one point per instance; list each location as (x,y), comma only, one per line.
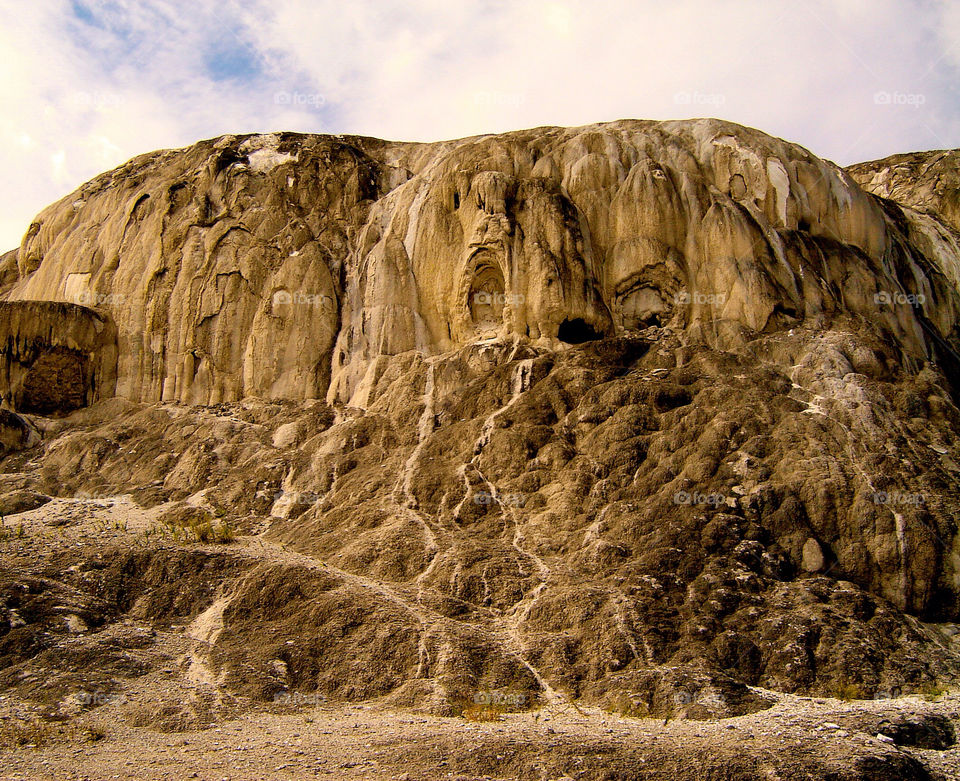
(927,182)
(55,357)
(286,266)
(606,413)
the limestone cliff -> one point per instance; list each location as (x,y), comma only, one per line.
(928,182)
(623,411)
(285,266)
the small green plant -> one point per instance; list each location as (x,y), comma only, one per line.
(932,691)
(224,533)
(21,532)
(195,524)
(482,712)
(848,691)
(92,734)
(490,705)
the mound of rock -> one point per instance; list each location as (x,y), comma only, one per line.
(651,415)
(291,266)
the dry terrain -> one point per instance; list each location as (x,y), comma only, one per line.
(626,451)
(152,709)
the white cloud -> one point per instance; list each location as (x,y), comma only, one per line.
(81,97)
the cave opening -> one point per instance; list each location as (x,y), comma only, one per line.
(641,308)
(486,298)
(57,382)
(577,331)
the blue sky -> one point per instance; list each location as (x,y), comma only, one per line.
(87,84)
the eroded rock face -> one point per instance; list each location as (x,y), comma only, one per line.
(287,266)
(55,357)
(925,181)
(641,413)
(16,433)
(630,521)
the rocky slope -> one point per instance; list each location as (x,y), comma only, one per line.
(659,417)
(927,182)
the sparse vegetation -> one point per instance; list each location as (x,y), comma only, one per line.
(849,691)
(624,706)
(932,691)
(482,712)
(37,733)
(196,524)
(491,705)
(92,734)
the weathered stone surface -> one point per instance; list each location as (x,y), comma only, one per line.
(55,357)
(286,266)
(812,560)
(21,501)
(640,413)
(925,181)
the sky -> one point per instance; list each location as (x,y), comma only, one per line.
(87,84)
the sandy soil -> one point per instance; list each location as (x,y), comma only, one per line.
(797,738)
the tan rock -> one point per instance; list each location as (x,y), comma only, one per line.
(812,556)
(55,357)
(284,265)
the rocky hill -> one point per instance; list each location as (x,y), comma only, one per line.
(660,417)
(927,182)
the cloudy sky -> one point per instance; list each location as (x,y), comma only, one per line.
(87,84)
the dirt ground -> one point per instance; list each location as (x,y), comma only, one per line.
(366,741)
(112,734)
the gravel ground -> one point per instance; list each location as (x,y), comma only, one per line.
(798,737)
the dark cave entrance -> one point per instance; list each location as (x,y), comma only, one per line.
(57,382)
(577,331)
(486,298)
